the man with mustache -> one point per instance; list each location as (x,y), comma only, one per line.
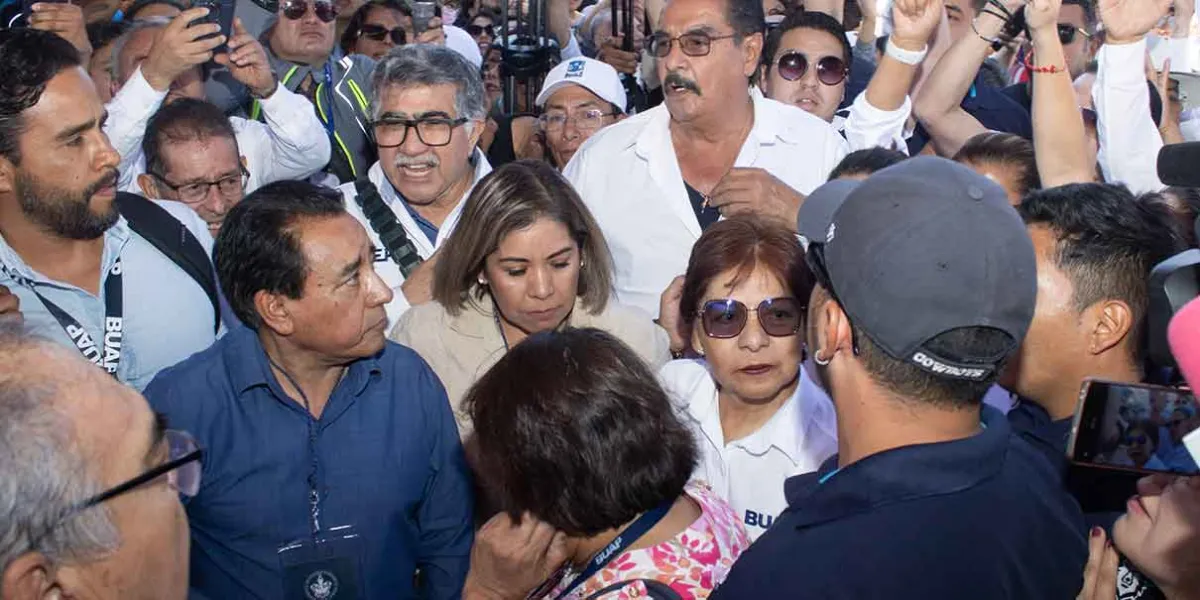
(70,264)
(427,114)
(714,148)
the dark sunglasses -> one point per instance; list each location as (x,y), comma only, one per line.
(296,9)
(779,317)
(1066,33)
(478,30)
(831,70)
(1138,440)
(379,32)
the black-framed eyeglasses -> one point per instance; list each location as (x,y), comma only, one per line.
(432,131)
(1067,31)
(692,43)
(588,120)
(378,33)
(230,186)
(296,9)
(814,257)
(727,318)
(792,65)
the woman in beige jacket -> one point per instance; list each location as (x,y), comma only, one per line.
(526,256)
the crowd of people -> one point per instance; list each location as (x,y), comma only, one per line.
(751,299)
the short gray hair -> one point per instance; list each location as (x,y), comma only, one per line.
(416,65)
(43,475)
(114,60)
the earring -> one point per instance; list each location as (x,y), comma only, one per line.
(817,359)
(482,281)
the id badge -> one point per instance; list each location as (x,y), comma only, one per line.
(324,568)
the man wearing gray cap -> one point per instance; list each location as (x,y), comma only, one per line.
(926,284)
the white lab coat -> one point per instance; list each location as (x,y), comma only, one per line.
(292,144)
(629,178)
(387,268)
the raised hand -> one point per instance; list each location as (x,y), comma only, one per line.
(914,21)
(179,47)
(1127,21)
(1042,15)
(247,62)
(66,20)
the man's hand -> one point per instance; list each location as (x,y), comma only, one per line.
(433,34)
(66,20)
(1127,21)
(509,560)
(622,61)
(670,315)
(179,48)
(10,305)
(756,191)
(418,286)
(1042,16)
(913,22)
(247,62)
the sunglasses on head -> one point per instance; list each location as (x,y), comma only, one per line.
(779,317)
(379,32)
(831,70)
(1066,33)
(296,9)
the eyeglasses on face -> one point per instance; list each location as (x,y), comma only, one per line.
(692,43)
(831,70)
(588,120)
(1137,440)
(230,187)
(726,318)
(378,33)
(296,9)
(391,132)
(479,30)
(1066,33)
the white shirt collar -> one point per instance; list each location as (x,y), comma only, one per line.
(391,197)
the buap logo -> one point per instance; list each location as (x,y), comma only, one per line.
(321,585)
(575,68)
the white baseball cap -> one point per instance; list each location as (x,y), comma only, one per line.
(593,75)
(461,42)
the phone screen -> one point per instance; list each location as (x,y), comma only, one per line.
(422,14)
(1134,426)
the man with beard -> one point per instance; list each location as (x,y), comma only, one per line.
(715,148)
(69,263)
(427,114)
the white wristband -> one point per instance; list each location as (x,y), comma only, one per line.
(907,57)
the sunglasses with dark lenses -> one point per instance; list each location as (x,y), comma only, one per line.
(478,30)
(779,317)
(831,70)
(1066,33)
(296,9)
(1137,440)
(379,32)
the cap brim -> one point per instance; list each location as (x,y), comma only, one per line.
(1179,164)
(817,210)
(548,91)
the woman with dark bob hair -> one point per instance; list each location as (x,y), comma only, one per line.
(526,256)
(572,429)
(757,415)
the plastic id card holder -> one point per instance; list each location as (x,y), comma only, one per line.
(324,568)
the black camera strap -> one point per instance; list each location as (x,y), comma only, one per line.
(385,224)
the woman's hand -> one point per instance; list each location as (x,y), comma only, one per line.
(1100,574)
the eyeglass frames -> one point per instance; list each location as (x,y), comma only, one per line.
(478,30)
(296,9)
(1066,33)
(390,132)
(727,318)
(230,186)
(831,70)
(377,33)
(588,120)
(693,43)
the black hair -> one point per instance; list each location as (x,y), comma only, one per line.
(1107,243)
(1005,149)
(803,19)
(258,248)
(183,120)
(573,427)
(30,58)
(866,162)
(745,17)
(354,25)
(138,5)
(1089,12)
(103,33)
(1184,203)
(881,44)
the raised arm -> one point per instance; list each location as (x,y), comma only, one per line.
(1059,141)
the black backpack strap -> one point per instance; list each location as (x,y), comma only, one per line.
(656,590)
(171,237)
(385,224)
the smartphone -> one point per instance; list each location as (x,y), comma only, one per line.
(1134,427)
(221,13)
(27,7)
(422,14)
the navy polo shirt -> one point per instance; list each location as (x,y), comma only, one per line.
(390,465)
(982,517)
(1030,421)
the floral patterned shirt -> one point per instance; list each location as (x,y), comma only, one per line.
(692,563)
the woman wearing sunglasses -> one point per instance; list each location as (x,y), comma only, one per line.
(374,29)
(526,256)
(757,415)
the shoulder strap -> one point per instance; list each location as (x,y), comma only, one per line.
(172,238)
(385,224)
(656,590)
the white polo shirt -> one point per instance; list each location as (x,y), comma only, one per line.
(749,473)
(629,177)
(387,268)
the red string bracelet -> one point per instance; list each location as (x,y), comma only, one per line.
(1046,69)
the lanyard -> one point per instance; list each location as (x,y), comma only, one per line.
(624,540)
(114,306)
(314,496)
(329,84)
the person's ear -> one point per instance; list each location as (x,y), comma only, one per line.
(752,47)
(836,335)
(275,312)
(148,186)
(477,127)
(8,178)
(1111,320)
(29,577)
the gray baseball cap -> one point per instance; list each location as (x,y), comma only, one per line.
(919,249)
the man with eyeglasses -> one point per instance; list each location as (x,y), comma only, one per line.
(159,61)
(578,98)
(192,157)
(427,117)
(90,481)
(715,147)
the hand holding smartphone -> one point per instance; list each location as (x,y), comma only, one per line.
(220,12)
(422,14)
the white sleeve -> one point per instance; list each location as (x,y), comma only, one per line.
(868,126)
(572,50)
(128,113)
(1129,139)
(293,143)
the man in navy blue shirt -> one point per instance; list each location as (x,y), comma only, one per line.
(926,285)
(332,465)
